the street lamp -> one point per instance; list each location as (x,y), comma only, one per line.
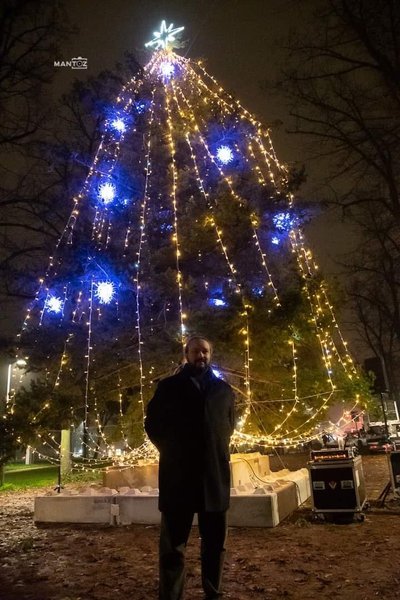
(20,363)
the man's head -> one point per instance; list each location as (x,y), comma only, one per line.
(198,351)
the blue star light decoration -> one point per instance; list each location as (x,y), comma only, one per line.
(224,155)
(140,107)
(283,221)
(107,192)
(167,69)
(119,125)
(54,304)
(165,38)
(217,302)
(217,372)
(105,292)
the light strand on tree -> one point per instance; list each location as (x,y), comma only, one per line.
(148,170)
(294,389)
(308,269)
(245,328)
(263,257)
(196,128)
(100,431)
(67,231)
(64,359)
(88,355)
(175,212)
(270,282)
(236,196)
(124,434)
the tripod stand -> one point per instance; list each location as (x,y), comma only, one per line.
(383,495)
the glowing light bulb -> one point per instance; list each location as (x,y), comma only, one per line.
(258,291)
(54,304)
(217,372)
(107,192)
(167,69)
(165,38)
(283,221)
(140,107)
(217,302)
(118,125)
(275,241)
(224,154)
(105,291)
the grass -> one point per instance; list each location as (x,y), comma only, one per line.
(19,477)
(11,467)
(30,476)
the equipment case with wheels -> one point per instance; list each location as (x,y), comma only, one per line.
(337,486)
(394,469)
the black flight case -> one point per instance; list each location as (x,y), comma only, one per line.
(394,470)
(337,483)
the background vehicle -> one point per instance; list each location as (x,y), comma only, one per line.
(382,444)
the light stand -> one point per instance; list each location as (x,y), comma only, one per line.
(382,397)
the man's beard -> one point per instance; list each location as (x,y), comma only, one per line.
(199,366)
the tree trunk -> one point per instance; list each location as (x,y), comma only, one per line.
(85,442)
(98,444)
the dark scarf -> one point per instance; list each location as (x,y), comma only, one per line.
(201,379)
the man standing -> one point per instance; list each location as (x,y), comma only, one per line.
(190,420)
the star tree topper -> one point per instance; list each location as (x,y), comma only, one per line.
(165,38)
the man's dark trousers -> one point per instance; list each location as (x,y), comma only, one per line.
(175,530)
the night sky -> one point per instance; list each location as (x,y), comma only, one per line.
(240,41)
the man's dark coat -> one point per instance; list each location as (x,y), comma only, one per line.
(191,422)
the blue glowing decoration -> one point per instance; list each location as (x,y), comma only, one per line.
(275,240)
(167,69)
(140,107)
(217,302)
(283,221)
(119,125)
(114,186)
(166,227)
(258,291)
(217,373)
(54,305)
(107,192)
(117,120)
(224,155)
(105,292)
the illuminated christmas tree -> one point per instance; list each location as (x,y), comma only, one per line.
(186,223)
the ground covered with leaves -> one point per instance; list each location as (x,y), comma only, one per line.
(300,559)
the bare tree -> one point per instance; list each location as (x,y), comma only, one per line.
(30,34)
(45,148)
(343,82)
(374,290)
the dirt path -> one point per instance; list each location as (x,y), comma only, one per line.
(299,560)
